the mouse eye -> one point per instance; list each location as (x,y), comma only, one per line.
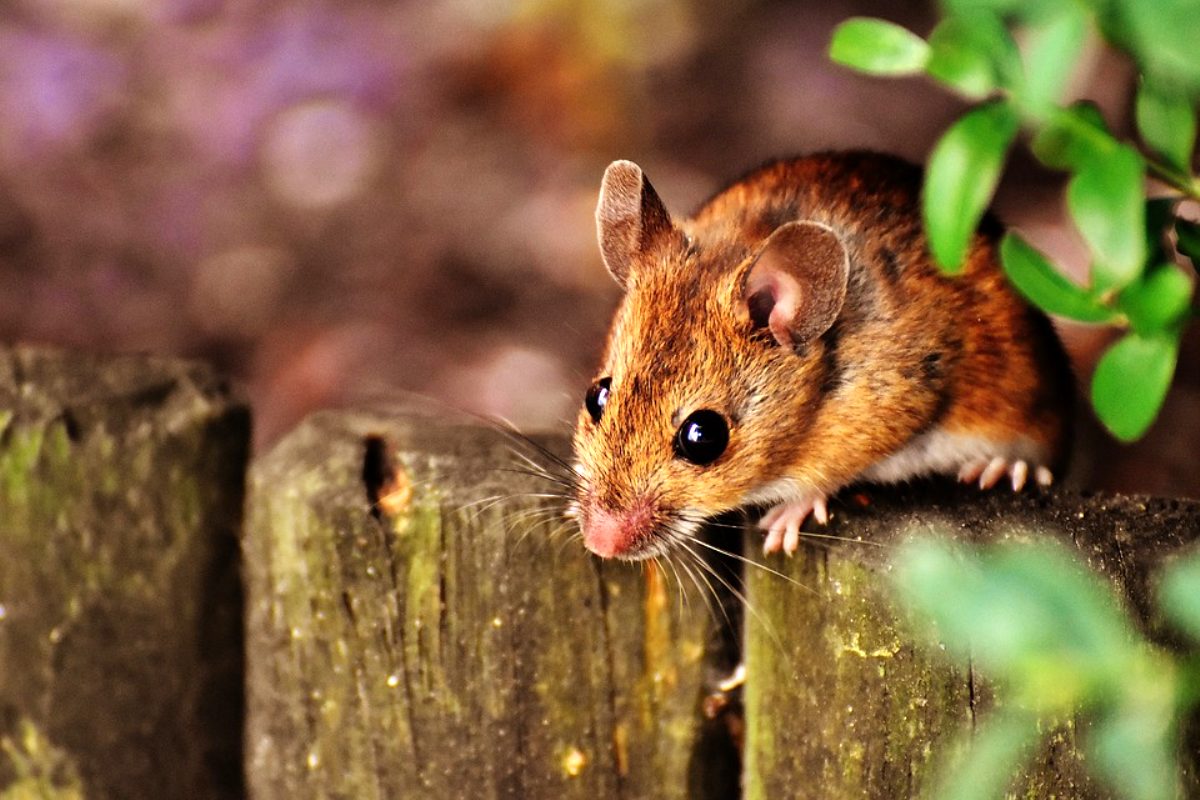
(597,398)
(702,437)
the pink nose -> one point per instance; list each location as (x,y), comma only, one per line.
(611,534)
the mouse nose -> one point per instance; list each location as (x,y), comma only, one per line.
(613,534)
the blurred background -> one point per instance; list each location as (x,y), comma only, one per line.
(331,201)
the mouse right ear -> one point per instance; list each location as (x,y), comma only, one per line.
(630,217)
(797,284)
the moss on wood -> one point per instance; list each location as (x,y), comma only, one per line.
(447,642)
(841,702)
(121,484)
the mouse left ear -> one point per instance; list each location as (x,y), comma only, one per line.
(797,284)
(630,218)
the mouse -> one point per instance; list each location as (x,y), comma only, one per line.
(791,337)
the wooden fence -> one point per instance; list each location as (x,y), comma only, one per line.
(419,623)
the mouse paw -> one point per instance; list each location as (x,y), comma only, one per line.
(782,523)
(988,472)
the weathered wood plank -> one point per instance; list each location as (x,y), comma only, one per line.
(121,488)
(450,646)
(840,702)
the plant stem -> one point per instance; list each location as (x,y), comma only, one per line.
(1176,180)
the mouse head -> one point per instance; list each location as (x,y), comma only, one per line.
(712,370)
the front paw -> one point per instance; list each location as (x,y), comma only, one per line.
(782,523)
(988,472)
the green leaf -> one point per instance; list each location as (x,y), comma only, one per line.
(1161,37)
(961,177)
(995,753)
(1167,122)
(1188,243)
(1158,300)
(1045,286)
(1082,627)
(1052,50)
(878,47)
(1179,594)
(1134,749)
(938,583)
(1131,382)
(1106,201)
(973,53)
(1073,137)
(1027,613)
(1023,10)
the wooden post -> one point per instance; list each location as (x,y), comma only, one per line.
(420,626)
(121,487)
(420,623)
(840,702)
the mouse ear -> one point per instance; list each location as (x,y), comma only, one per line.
(797,284)
(629,217)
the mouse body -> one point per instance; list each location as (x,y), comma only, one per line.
(794,336)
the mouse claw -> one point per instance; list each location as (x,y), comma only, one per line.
(987,472)
(791,538)
(1019,472)
(992,472)
(783,522)
(773,541)
(970,471)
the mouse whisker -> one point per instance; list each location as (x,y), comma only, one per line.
(666,559)
(541,476)
(708,592)
(521,440)
(735,591)
(527,466)
(562,472)
(751,562)
(481,507)
(536,520)
(569,541)
(814,535)
(691,573)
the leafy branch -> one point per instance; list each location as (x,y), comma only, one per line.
(1057,642)
(1138,281)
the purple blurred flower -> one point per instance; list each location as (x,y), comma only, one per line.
(226,80)
(55,91)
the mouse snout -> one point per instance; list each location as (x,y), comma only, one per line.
(617,534)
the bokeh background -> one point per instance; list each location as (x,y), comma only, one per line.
(340,200)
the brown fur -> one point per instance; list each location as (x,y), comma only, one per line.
(911,348)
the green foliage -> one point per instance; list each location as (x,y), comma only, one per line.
(1105,199)
(1136,280)
(1073,137)
(1160,35)
(1056,642)
(1167,123)
(1159,300)
(1034,277)
(964,168)
(1145,361)
(1179,595)
(878,47)
(984,770)
(973,54)
(1054,45)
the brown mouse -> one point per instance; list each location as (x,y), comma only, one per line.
(794,336)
